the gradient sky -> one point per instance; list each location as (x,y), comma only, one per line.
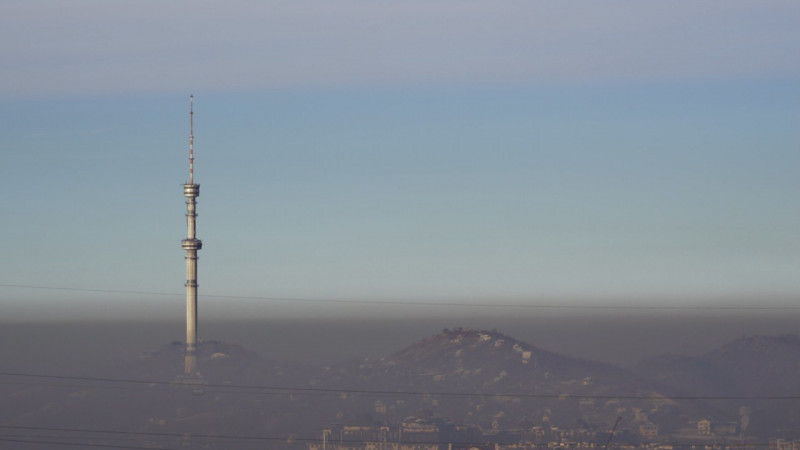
(641,153)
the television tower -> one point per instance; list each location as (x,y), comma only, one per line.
(191,244)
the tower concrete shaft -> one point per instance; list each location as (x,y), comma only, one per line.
(191,245)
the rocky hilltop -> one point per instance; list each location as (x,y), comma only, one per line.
(492,380)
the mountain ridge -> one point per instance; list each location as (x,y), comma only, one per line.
(466,375)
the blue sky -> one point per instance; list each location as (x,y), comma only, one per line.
(454,151)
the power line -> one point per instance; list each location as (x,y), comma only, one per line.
(327,391)
(151,433)
(75,444)
(48,434)
(425,303)
(256,438)
(212,389)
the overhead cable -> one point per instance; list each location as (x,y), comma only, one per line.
(425,303)
(300,390)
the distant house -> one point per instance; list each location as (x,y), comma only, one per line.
(726,429)
(783,444)
(648,430)
(419,432)
(704,427)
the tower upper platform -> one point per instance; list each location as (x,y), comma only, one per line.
(191,190)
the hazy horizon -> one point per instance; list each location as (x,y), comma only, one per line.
(620,339)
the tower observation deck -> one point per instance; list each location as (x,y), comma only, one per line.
(191,245)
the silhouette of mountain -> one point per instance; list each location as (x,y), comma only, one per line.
(751,366)
(760,365)
(505,380)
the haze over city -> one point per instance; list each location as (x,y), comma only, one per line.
(457,223)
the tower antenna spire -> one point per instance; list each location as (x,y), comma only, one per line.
(191,139)
(191,244)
